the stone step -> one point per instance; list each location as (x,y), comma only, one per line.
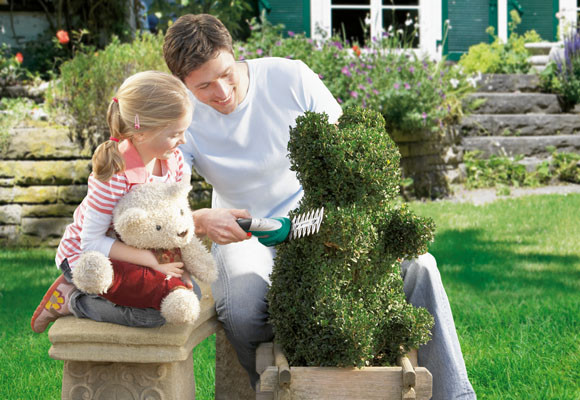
(517,103)
(530,146)
(520,124)
(509,83)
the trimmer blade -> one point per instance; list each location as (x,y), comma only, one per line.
(306,224)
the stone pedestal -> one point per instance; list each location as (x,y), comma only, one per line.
(231,379)
(106,361)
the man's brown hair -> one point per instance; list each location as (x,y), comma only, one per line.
(193,40)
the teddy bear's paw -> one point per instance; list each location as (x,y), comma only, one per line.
(93,273)
(208,274)
(181,306)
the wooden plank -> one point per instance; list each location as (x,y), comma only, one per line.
(346,383)
(284,376)
(264,357)
(409,377)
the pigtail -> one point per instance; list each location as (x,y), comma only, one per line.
(107,159)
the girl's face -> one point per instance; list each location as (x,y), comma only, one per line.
(162,144)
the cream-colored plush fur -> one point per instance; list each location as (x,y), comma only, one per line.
(153,216)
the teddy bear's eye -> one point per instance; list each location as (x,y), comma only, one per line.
(158,227)
(181,211)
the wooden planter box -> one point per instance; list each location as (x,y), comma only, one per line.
(279,381)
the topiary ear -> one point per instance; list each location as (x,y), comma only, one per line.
(131,219)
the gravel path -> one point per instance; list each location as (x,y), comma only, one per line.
(483,196)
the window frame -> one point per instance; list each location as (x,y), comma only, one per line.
(376,9)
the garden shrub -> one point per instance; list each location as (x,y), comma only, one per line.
(336,298)
(562,76)
(411,92)
(497,171)
(88,82)
(499,57)
(232,14)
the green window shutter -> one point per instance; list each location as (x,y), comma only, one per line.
(468,19)
(539,15)
(295,15)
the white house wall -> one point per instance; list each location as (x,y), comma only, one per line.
(568,12)
(430,21)
(27,25)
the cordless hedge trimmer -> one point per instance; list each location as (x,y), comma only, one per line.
(273,231)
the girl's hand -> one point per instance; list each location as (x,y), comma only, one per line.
(174,270)
(186,278)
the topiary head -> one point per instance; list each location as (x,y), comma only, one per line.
(354,161)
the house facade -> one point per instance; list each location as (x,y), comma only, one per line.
(442,27)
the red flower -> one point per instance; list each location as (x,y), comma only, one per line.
(356,50)
(19,57)
(62,37)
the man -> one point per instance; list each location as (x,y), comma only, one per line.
(238,142)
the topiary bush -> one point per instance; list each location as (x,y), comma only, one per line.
(336,298)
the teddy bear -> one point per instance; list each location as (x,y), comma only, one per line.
(154,216)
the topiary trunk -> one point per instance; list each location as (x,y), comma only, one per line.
(336,298)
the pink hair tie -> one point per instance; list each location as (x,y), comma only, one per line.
(114,139)
(116,100)
(137,124)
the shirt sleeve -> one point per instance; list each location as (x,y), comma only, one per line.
(98,216)
(317,96)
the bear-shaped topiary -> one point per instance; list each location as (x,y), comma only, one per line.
(154,216)
(336,297)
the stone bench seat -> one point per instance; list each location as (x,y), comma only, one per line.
(109,361)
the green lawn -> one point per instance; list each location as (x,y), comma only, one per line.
(512,274)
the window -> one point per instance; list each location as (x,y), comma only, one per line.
(359,20)
(402,16)
(348,19)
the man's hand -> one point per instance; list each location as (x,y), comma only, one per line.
(219,224)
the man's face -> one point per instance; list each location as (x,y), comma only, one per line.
(216,83)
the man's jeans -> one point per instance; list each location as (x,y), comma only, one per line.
(239,294)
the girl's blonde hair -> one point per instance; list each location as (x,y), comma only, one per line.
(146,102)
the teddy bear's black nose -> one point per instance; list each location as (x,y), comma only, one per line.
(182,234)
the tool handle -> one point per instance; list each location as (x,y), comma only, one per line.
(244,223)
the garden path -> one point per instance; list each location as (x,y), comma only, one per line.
(484,196)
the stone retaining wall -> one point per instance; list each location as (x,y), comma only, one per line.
(431,159)
(43,177)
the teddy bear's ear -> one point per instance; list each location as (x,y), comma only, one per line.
(178,189)
(131,218)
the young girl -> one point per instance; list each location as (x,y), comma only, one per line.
(147,120)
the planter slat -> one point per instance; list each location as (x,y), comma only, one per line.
(346,383)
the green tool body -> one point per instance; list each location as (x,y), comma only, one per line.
(273,231)
(269,231)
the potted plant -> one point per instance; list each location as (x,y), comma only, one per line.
(336,298)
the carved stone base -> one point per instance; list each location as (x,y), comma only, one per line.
(128,381)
